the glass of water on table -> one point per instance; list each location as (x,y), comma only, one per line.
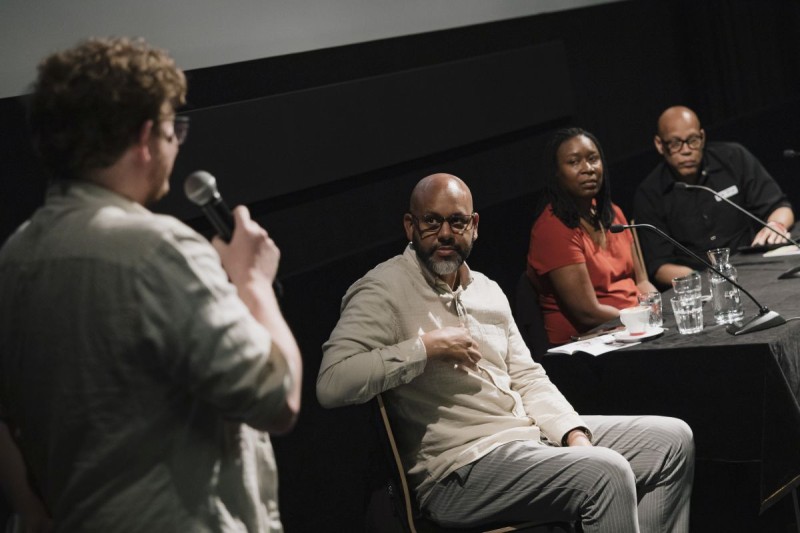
(687,304)
(688,286)
(652,300)
(688,314)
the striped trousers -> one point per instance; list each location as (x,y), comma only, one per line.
(637,477)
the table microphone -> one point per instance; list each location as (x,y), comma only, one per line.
(764,320)
(682,185)
(200,188)
(789,273)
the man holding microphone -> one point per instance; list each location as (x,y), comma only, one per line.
(140,367)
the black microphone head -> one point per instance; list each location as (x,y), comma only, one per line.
(681,185)
(617,228)
(200,188)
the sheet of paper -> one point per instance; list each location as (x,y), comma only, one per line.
(595,346)
(790,249)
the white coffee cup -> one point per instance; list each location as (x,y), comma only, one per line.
(635,319)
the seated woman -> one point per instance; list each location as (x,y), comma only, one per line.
(584,273)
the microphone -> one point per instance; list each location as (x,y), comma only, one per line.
(790,154)
(789,273)
(682,185)
(764,320)
(200,188)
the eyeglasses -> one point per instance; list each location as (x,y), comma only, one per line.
(432,223)
(180,128)
(675,145)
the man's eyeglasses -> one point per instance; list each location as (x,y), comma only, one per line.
(674,146)
(432,223)
(180,128)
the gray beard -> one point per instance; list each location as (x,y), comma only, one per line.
(440,267)
(444,268)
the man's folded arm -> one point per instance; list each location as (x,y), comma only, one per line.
(364,355)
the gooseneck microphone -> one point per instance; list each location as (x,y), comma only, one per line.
(682,185)
(764,320)
(789,273)
(201,189)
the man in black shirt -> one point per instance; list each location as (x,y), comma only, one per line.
(696,218)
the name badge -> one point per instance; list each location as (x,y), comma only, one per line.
(733,190)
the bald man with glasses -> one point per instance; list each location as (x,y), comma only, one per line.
(485,435)
(697,218)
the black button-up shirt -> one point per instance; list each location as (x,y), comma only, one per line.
(698,219)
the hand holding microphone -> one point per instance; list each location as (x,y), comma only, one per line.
(251,256)
(247,252)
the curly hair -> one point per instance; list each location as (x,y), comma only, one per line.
(562,203)
(89,102)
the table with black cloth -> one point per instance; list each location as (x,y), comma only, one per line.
(739,394)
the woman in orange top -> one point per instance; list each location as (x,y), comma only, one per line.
(584,273)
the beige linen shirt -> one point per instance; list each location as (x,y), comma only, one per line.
(134,373)
(445,416)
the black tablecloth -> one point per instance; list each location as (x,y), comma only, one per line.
(740,394)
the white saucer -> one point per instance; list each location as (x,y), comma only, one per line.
(624,336)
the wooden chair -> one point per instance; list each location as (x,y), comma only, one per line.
(412,520)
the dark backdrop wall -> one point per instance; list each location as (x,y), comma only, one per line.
(325,147)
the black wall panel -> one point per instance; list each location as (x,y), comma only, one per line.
(282,144)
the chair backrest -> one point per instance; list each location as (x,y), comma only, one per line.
(410,510)
(529,318)
(413,522)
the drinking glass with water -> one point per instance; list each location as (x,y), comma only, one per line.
(688,314)
(652,300)
(724,294)
(688,286)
